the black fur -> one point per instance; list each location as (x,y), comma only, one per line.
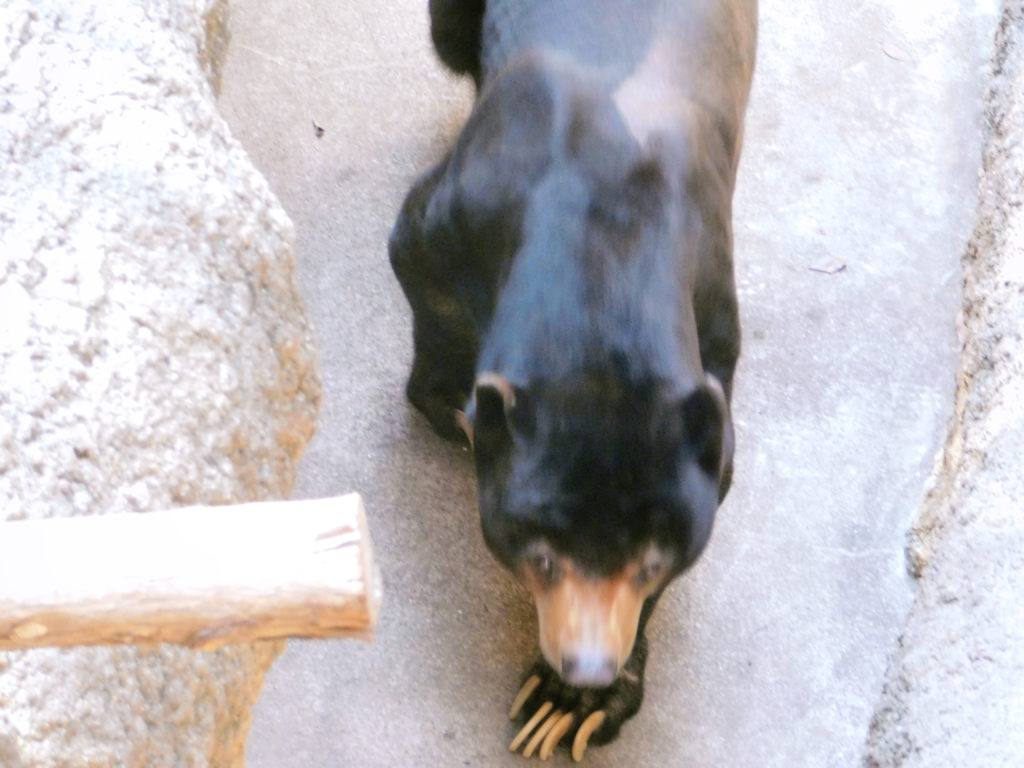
(455,31)
(588,273)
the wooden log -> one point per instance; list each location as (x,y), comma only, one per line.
(197,576)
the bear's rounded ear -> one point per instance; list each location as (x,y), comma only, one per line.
(705,415)
(493,400)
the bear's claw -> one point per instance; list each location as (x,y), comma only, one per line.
(542,732)
(552,730)
(530,725)
(524,693)
(591,724)
(555,735)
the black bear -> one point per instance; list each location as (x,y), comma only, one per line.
(569,268)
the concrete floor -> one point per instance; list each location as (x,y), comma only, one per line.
(862,151)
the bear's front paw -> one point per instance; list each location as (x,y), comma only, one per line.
(554,711)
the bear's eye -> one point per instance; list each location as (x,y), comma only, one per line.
(649,574)
(543,566)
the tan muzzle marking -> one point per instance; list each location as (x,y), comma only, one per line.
(591,623)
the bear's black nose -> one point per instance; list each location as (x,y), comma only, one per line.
(589,669)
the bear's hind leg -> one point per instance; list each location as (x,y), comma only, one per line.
(444,334)
(442,370)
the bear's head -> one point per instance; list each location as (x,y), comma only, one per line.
(597,493)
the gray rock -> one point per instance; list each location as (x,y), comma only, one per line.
(154,351)
(953,691)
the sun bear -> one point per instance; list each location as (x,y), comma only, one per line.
(569,269)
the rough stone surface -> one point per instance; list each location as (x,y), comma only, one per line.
(154,351)
(953,694)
